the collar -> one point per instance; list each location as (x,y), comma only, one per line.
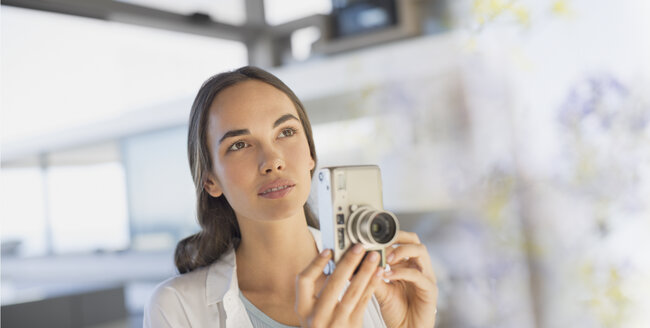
(222,279)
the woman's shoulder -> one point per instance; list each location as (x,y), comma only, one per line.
(180,300)
(193,284)
(170,300)
(175,293)
(186,283)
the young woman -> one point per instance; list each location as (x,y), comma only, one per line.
(258,261)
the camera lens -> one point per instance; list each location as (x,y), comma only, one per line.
(382,228)
(372,227)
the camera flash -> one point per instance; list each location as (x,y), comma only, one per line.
(340,181)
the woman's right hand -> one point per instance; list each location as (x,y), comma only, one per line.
(321,307)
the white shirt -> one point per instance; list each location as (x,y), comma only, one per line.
(209,297)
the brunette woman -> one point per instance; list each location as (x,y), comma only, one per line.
(258,261)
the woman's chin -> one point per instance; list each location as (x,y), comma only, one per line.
(281,211)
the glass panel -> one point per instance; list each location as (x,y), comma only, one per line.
(88,208)
(161,191)
(302,40)
(22,214)
(86,70)
(282,11)
(226,11)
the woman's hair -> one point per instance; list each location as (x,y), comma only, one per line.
(219,227)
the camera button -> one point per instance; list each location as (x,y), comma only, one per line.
(341,238)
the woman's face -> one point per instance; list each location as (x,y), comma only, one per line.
(260,155)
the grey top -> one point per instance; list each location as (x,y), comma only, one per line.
(258,318)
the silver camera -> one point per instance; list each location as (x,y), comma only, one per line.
(351,211)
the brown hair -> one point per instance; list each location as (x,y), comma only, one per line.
(219,227)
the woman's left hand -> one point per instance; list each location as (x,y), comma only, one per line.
(410,297)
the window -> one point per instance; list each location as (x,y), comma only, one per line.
(160,188)
(61,71)
(282,11)
(225,11)
(302,40)
(88,207)
(22,213)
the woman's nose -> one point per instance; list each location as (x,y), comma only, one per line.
(272,161)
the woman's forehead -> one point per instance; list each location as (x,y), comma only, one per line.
(247,104)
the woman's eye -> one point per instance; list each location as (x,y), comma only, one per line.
(288,132)
(238,145)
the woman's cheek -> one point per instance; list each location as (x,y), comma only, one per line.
(231,172)
(238,172)
(300,147)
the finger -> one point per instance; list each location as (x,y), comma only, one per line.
(406,237)
(362,304)
(306,282)
(411,265)
(405,251)
(415,253)
(389,250)
(359,283)
(339,278)
(403,237)
(414,276)
(405,264)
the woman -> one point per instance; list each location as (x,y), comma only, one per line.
(257,260)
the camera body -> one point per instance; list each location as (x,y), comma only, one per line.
(351,211)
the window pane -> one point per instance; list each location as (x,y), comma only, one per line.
(160,188)
(88,207)
(22,213)
(226,11)
(302,40)
(282,11)
(85,70)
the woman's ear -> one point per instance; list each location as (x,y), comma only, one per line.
(312,164)
(212,186)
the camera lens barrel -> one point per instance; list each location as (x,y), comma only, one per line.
(372,227)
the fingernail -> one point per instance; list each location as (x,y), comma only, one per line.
(379,272)
(325,253)
(390,257)
(388,273)
(357,249)
(373,257)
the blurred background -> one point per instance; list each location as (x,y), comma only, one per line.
(513,137)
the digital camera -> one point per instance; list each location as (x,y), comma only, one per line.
(351,211)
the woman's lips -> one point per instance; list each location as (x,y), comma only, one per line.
(278,192)
(276,189)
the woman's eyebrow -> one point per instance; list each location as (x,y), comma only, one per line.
(234,133)
(283,119)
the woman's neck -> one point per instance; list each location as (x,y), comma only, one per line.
(271,254)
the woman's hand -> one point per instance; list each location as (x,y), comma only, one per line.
(320,307)
(411,296)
